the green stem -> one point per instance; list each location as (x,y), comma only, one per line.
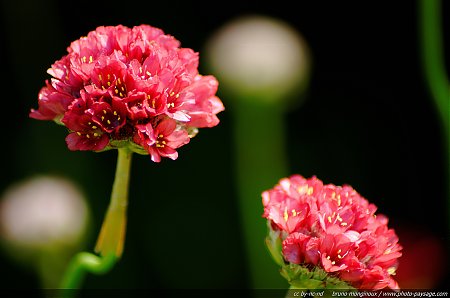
(111,239)
(434,68)
(112,234)
(84,262)
(433,55)
(260,163)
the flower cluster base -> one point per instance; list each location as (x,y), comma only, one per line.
(302,276)
(312,278)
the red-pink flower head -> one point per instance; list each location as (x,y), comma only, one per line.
(332,228)
(134,87)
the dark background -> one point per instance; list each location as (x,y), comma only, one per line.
(367,120)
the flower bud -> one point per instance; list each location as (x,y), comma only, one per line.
(43,221)
(259,57)
(42,212)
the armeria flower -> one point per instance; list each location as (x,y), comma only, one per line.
(330,228)
(134,87)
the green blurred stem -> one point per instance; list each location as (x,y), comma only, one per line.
(84,262)
(433,56)
(431,35)
(259,141)
(112,235)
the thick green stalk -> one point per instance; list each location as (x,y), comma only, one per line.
(112,235)
(259,141)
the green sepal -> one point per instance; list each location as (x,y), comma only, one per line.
(273,243)
(115,144)
(312,278)
(58,119)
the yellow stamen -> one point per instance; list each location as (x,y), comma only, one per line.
(302,189)
(391,270)
(285,215)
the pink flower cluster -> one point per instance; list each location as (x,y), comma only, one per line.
(129,86)
(334,228)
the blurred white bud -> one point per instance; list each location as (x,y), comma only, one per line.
(259,57)
(43,212)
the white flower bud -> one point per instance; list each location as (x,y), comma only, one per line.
(42,212)
(259,57)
